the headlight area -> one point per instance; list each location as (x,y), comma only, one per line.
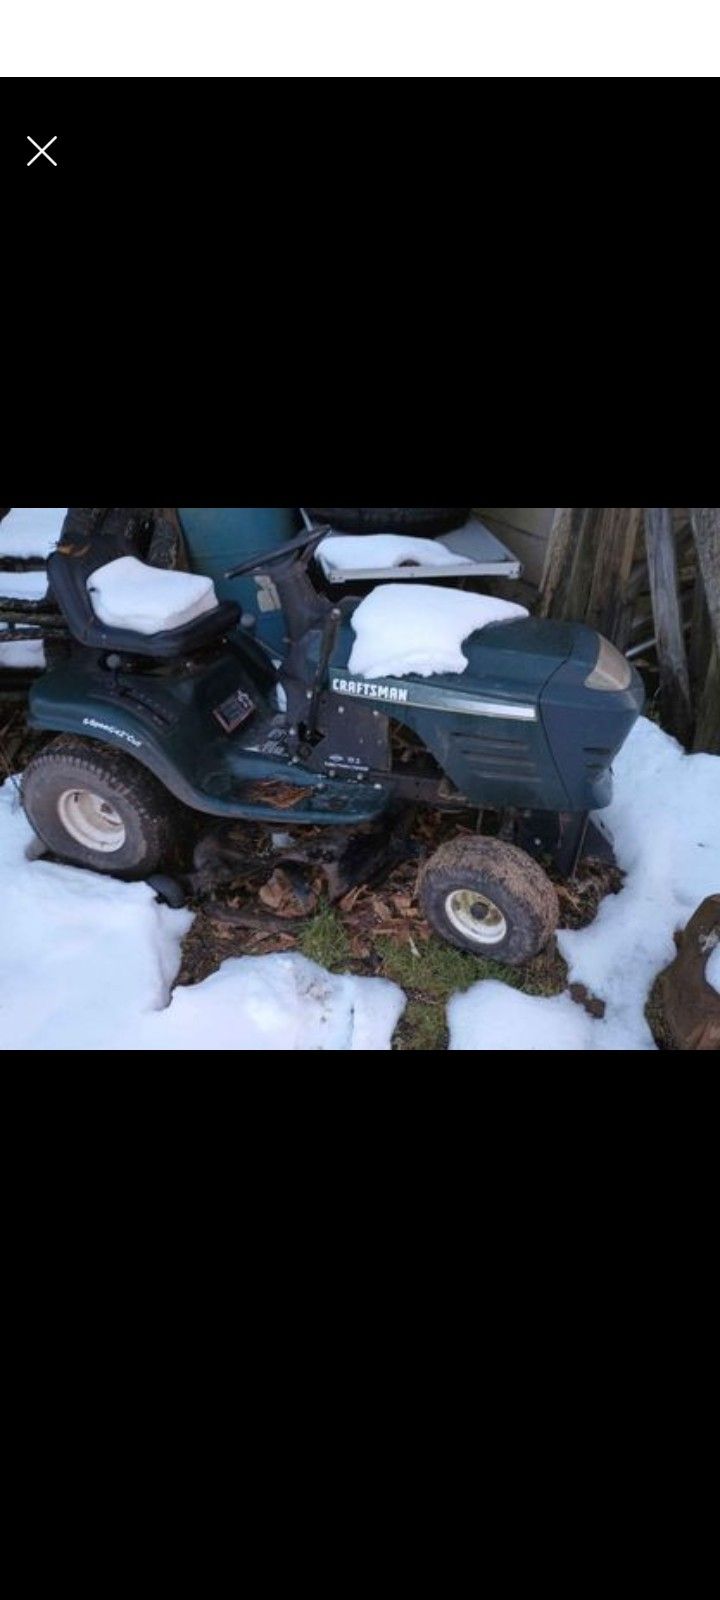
(611,670)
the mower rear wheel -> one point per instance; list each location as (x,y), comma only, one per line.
(96,807)
(489,897)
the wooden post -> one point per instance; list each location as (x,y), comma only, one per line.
(672,656)
(706,531)
(588,567)
(615,531)
(707,729)
(701,636)
(564,537)
(584,560)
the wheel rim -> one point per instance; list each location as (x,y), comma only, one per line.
(91,820)
(475,917)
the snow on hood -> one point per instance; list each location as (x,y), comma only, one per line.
(401,629)
(88,963)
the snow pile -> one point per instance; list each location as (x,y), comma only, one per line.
(277,1002)
(419,629)
(129,594)
(712,970)
(82,957)
(664,823)
(88,963)
(23,585)
(31,531)
(491,1016)
(342,554)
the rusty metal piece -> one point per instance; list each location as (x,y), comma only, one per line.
(690,1003)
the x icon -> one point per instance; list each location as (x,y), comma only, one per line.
(42,150)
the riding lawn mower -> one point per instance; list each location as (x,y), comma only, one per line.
(212,717)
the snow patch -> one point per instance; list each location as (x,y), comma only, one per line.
(492,1016)
(383,550)
(31,531)
(663,822)
(88,963)
(129,594)
(82,956)
(420,629)
(277,1002)
(712,970)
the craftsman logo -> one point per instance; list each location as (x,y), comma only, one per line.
(118,733)
(370,691)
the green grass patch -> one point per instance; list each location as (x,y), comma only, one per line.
(423,1026)
(436,970)
(432,972)
(429,971)
(325,941)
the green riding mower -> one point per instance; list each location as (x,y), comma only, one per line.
(182,730)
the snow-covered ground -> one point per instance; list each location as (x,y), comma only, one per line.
(88,963)
(491,1016)
(665,825)
(400,630)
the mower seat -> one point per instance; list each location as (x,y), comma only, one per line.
(181,626)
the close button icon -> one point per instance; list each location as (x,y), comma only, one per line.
(42,150)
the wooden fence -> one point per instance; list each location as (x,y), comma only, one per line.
(649,579)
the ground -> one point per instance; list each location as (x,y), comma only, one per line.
(587,991)
(381,932)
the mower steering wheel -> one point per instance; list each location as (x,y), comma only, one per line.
(305,542)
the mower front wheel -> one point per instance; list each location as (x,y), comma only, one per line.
(96,807)
(490,898)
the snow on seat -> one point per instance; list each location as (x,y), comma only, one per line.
(31,532)
(383,551)
(129,594)
(420,630)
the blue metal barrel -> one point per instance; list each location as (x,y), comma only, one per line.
(219,537)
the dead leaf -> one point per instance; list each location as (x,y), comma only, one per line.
(349,900)
(274,892)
